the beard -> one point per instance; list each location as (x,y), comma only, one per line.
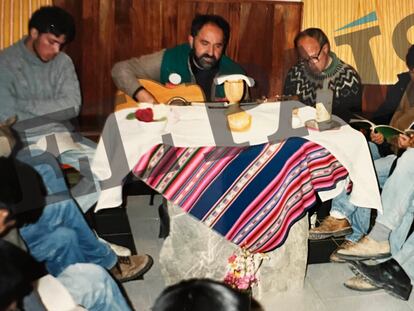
(205,61)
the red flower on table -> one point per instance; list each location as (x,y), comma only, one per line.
(145,115)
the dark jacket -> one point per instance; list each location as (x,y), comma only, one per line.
(384,113)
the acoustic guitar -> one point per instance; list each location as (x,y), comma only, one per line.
(181,94)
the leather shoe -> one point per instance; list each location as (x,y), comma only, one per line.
(366,248)
(131,267)
(345,245)
(330,226)
(360,284)
(388,275)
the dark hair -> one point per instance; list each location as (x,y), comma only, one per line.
(201,295)
(200,20)
(17,272)
(22,191)
(409,58)
(315,33)
(54,20)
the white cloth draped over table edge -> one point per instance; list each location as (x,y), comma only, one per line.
(190,127)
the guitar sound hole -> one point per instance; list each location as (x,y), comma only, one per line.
(178,101)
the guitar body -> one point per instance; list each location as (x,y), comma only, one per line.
(186,92)
(183,93)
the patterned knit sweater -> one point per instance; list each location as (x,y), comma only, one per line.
(343,80)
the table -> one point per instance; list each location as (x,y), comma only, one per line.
(260,216)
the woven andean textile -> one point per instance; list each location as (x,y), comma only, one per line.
(250,195)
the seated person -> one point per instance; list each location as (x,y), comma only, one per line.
(346,218)
(388,236)
(38,83)
(88,284)
(198,61)
(58,233)
(319,67)
(203,295)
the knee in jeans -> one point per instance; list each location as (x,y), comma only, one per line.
(64,237)
(66,209)
(87,283)
(88,271)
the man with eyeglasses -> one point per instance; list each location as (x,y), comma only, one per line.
(319,66)
(394,170)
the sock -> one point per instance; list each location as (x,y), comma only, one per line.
(380,232)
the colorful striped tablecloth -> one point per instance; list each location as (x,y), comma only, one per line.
(250,195)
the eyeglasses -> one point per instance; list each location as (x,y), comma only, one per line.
(312,59)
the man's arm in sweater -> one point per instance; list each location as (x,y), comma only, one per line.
(126,73)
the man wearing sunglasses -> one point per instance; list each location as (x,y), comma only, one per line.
(318,66)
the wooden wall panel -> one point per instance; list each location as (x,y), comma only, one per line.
(112,30)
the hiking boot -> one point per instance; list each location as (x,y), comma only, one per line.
(330,226)
(345,244)
(367,248)
(359,283)
(131,267)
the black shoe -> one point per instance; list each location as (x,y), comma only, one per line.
(388,275)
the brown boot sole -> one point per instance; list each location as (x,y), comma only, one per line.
(325,235)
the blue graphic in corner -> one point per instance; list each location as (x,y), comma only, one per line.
(371,17)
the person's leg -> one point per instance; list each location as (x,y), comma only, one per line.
(64,213)
(373,148)
(61,214)
(382,168)
(346,218)
(398,192)
(93,288)
(61,237)
(397,195)
(358,217)
(86,192)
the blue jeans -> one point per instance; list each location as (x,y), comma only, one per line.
(359,217)
(397,200)
(93,288)
(398,203)
(61,237)
(86,192)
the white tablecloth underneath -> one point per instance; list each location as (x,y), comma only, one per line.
(189,126)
